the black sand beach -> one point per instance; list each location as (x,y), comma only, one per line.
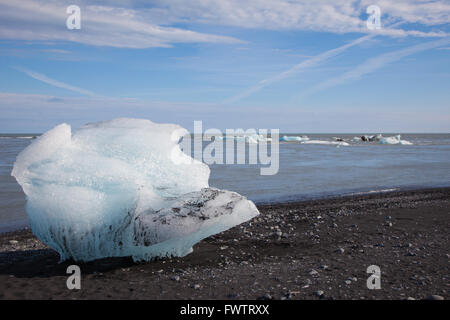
(307,250)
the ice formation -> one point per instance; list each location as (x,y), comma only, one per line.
(337,143)
(367,138)
(394,140)
(253,138)
(122,188)
(294,138)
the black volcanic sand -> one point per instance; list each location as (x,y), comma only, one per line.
(307,250)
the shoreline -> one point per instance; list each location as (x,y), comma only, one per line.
(298,199)
(295,199)
(311,249)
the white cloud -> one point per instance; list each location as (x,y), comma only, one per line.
(56,51)
(337,16)
(426,12)
(143,24)
(100,26)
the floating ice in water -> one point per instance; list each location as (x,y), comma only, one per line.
(254,138)
(294,138)
(305,140)
(394,140)
(337,143)
(367,138)
(122,188)
(376,137)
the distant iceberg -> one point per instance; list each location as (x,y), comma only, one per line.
(366,138)
(394,140)
(254,138)
(122,188)
(337,143)
(294,138)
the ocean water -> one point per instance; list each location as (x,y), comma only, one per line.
(12,199)
(306,171)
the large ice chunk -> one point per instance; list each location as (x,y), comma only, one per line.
(189,219)
(122,188)
(394,140)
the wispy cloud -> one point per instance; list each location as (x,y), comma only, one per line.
(157,24)
(56,51)
(374,64)
(311,62)
(101,25)
(337,16)
(43,78)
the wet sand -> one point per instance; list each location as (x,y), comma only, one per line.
(306,250)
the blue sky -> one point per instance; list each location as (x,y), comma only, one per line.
(300,66)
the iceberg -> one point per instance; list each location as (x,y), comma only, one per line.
(294,138)
(376,137)
(122,188)
(255,138)
(337,143)
(251,139)
(394,140)
(366,138)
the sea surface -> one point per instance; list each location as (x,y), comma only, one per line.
(306,171)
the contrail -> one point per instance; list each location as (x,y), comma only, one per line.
(375,63)
(314,61)
(55,83)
